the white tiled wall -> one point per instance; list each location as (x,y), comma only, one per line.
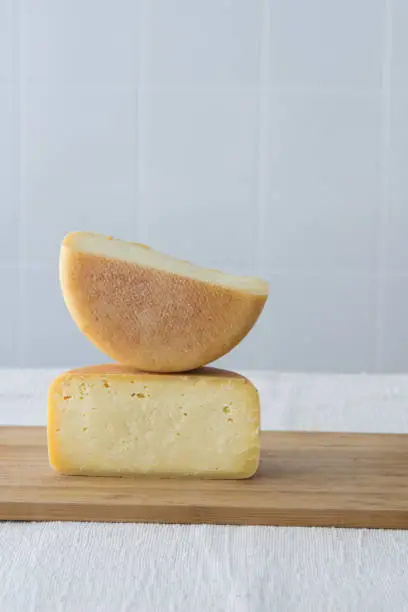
(265,137)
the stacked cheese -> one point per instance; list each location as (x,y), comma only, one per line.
(156,413)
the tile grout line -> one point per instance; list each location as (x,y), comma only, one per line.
(140,73)
(263,148)
(264,87)
(18,176)
(385,178)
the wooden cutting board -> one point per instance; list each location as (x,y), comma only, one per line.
(321,479)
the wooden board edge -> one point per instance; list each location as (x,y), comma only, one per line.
(187,515)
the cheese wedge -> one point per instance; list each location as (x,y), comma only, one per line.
(151,311)
(117,421)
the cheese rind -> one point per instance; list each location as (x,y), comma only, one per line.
(151,311)
(117,421)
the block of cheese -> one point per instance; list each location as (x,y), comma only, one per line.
(151,311)
(114,420)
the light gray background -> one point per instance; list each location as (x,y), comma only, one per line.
(265,137)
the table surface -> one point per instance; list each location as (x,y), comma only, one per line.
(148,568)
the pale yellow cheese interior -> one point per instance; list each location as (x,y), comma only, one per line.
(132,252)
(114,420)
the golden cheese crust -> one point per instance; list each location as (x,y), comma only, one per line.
(150,318)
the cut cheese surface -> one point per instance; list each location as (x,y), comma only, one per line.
(152,311)
(117,421)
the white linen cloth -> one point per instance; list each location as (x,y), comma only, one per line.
(93,567)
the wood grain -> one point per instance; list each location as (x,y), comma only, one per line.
(320,479)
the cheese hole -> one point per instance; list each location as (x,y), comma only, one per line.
(141,395)
(84,429)
(67,397)
(57,430)
(230,420)
(226,409)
